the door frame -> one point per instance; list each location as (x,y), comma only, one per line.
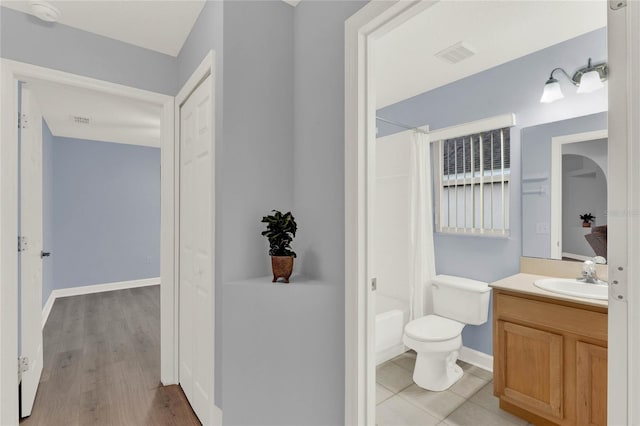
(372,21)
(204,70)
(11,73)
(376,19)
(556,183)
(623,40)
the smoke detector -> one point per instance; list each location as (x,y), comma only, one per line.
(44,10)
(456,53)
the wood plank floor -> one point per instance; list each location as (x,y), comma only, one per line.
(102,364)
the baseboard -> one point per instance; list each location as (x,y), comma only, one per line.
(95,288)
(477,358)
(390,353)
(46,309)
(217,416)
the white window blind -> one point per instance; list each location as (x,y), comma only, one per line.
(472,174)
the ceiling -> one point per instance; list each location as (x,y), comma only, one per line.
(160,25)
(111,118)
(498,32)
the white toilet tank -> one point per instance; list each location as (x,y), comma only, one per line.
(461,299)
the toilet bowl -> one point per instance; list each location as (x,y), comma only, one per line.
(437,338)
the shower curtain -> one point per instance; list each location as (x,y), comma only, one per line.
(421,253)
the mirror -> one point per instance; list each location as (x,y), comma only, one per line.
(564,189)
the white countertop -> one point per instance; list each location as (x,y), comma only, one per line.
(523,283)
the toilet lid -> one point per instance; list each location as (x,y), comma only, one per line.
(433,328)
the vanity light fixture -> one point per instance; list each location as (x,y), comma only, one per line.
(587,80)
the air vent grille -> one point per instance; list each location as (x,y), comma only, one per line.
(81,120)
(456,53)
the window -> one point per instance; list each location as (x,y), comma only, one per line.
(473,169)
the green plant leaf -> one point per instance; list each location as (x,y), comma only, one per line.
(281,229)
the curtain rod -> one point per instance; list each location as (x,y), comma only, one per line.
(404,126)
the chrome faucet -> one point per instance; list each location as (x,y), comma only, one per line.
(589,272)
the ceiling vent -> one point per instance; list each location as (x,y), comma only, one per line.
(80,120)
(456,53)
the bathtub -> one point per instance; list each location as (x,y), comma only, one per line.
(391,316)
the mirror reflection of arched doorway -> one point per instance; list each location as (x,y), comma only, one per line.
(580,161)
(584,189)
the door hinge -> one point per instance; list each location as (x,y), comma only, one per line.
(618,283)
(23,244)
(617,4)
(23,365)
(23,121)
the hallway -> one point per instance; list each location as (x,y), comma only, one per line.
(102,364)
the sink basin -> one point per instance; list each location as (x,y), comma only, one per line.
(572,287)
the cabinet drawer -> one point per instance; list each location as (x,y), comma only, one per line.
(577,321)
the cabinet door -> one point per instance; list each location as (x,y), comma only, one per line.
(530,370)
(591,376)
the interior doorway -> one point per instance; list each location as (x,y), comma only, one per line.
(90,219)
(363,30)
(30,316)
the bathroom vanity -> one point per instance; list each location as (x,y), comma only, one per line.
(550,349)
(550,354)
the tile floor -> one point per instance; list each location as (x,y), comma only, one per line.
(468,402)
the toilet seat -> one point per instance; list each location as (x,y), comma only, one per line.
(433,328)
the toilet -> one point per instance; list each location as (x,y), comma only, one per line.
(437,338)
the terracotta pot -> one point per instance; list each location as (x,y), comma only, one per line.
(586,224)
(282,267)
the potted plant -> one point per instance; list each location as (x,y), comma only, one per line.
(281,228)
(587,219)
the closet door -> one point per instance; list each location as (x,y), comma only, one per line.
(196,251)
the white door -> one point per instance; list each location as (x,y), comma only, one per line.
(31,248)
(196,250)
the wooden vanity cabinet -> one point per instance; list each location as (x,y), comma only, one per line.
(550,359)
(591,376)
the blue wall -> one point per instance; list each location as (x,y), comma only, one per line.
(254,153)
(515,87)
(257,141)
(106,212)
(27,39)
(319,194)
(319,139)
(282,145)
(47,211)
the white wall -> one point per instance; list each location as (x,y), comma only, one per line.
(392,215)
(595,150)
